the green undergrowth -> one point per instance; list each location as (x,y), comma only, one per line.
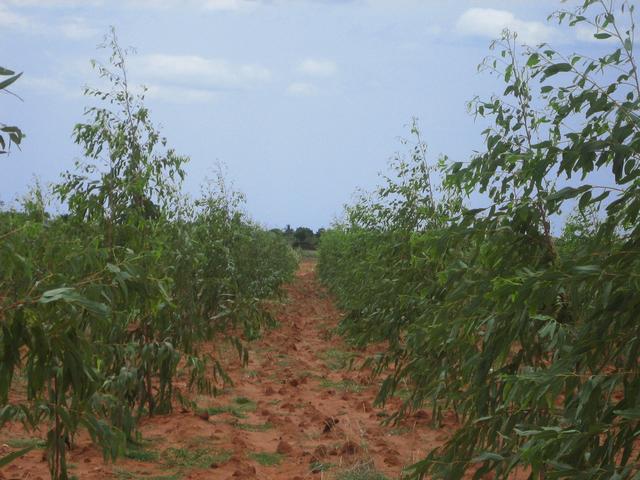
(362,471)
(258,427)
(342,385)
(196,458)
(239,408)
(122,474)
(337,359)
(266,459)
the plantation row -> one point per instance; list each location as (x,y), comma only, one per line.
(521,319)
(101,307)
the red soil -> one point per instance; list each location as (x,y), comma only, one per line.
(302,412)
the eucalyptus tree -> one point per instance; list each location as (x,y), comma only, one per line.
(8,134)
(532,341)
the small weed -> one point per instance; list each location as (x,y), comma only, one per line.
(260,427)
(239,408)
(199,458)
(362,471)
(344,385)
(122,474)
(338,359)
(266,459)
(317,467)
(137,452)
(399,431)
(283,361)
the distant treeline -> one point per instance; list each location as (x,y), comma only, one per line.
(302,237)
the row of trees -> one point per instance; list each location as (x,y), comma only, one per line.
(531,337)
(302,237)
(101,308)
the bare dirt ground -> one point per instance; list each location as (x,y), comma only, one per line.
(296,411)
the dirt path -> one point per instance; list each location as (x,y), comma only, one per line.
(295,412)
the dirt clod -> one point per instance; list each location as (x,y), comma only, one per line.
(329,423)
(283,448)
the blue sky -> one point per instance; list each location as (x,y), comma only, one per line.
(303,100)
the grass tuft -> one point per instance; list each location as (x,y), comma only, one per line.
(249,427)
(141,454)
(198,458)
(337,359)
(361,471)
(238,408)
(266,459)
(344,385)
(122,474)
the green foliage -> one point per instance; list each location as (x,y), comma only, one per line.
(533,341)
(200,458)
(362,471)
(250,427)
(266,459)
(8,134)
(99,307)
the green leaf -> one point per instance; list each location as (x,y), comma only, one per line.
(534,59)
(70,295)
(5,83)
(556,68)
(484,456)
(567,192)
(7,459)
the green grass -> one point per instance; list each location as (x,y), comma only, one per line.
(238,408)
(338,359)
(399,430)
(344,385)
(317,467)
(266,459)
(198,458)
(284,360)
(249,427)
(363,471)
(122,474)
(138,452)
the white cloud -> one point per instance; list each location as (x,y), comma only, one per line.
(489,22)
(50,86)
(13,20)
(318,67)
(54,3)
(74,28)
(212,5)
(77,28)
(585,33)
(196,71)
(302,89)
(171,94)
(230,5)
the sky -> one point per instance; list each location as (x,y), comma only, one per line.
(303,101)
